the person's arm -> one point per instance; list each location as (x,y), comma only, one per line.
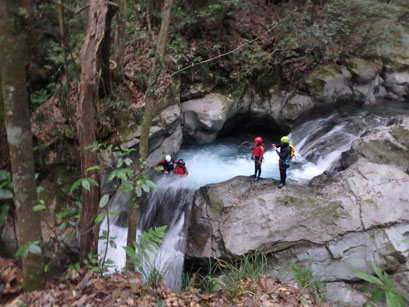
(282,153)
(160,163)
(261,154)
(186,172)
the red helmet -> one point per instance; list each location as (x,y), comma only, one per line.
(258,140)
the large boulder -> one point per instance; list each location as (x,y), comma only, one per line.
(204,117)
(244,217)
(384,145)
(340,221)
(363,71)
(329,84)
(397,83)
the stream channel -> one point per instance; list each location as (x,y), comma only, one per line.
(318,143)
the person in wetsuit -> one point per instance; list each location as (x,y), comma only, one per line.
(257,156)
(284,154)
(168,164)
(181,168)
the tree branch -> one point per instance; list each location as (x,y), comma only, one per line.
(224,54)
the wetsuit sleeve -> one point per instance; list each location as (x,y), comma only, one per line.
(160,163)
(284,152)
(186,172)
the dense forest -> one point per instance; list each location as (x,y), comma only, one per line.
(79,78)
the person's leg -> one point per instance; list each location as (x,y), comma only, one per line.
(255,167)
(259,170)
(283,176)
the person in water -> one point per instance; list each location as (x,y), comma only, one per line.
(181,168)
(257,156)
(284,154)
(168,164)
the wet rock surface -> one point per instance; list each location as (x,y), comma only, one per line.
(341,220)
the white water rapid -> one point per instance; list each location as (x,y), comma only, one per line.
(319,144)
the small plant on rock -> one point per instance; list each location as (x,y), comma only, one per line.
(382,288)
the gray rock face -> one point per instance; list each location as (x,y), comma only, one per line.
(330,84)
(295,106)
(345,295)
(364,71)
(271,218)
(397,83)
(340,221)
(165,135)
(194,91)
(369,93)
(204,117)
(386,145)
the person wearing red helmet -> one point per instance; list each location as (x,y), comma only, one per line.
(257,156)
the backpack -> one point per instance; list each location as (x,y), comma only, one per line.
(290,157)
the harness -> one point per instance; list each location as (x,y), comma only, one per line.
(290,156)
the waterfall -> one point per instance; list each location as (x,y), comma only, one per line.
(319,144)
(168,205)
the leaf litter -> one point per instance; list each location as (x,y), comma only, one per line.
(127,289)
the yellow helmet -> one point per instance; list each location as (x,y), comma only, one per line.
(285,139)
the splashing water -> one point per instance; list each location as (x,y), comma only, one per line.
(318,147)
(168,205)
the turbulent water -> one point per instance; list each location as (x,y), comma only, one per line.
(319,144)
(168,205)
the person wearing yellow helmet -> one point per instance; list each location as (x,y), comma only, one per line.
(284,154)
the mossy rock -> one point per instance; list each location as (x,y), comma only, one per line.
(401,134)
(316,81)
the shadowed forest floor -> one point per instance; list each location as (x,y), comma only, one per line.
(89,289)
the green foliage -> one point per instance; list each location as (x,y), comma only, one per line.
(382,288)
(342,29)
(40,207)
(85,183)
(30,248)
(306,281)
(108,239)
(98,264)
(194,15)
(130,180)
(70,216)
(142,251)
(231,274)
(6,195)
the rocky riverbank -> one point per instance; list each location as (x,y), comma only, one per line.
(340,220)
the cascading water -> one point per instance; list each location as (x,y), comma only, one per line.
(319,144)
(168,205)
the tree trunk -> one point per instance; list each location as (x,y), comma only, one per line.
(4,148)
(61,24)
(14,25)
(87,97)
(149,111)
(104,54)
(149,9)
(120,33)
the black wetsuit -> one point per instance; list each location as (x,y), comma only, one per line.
(285,151)
(168,167)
